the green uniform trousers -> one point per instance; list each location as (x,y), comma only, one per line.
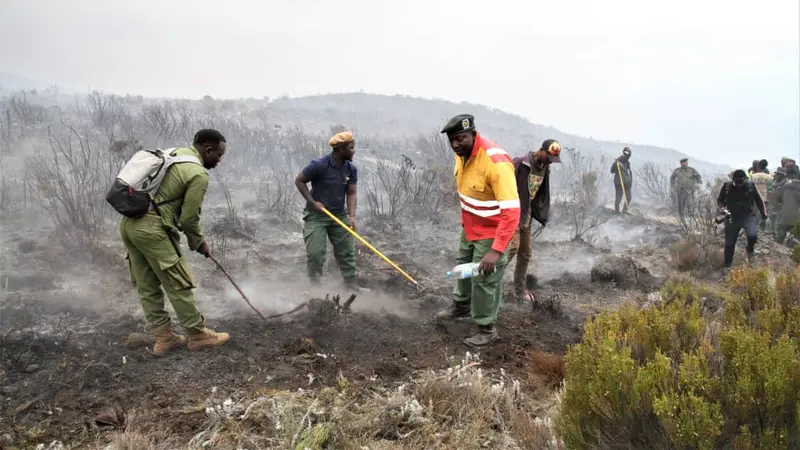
(155,262)
(774,219)
(317,229)
(483,293)
(781,231)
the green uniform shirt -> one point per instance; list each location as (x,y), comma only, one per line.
(184,188)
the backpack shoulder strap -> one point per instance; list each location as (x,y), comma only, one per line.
(186,158)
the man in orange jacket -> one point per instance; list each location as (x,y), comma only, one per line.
(490,209)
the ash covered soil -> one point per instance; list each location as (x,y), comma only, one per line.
(75,356)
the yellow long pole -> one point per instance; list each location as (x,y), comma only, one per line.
(374,250)
(622,183)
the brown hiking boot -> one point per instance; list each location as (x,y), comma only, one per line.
(166,340)
(202,337)
(485,336)
(454,311)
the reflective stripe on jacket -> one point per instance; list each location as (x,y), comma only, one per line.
(487,189)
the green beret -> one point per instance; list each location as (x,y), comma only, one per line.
(459,124)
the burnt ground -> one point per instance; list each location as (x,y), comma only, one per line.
(71,377)
(73,344)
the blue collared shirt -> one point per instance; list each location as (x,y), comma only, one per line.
(329,182)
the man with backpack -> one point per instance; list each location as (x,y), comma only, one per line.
(740,198)
(761,179)
(334,181)
(623,179)
(153,240)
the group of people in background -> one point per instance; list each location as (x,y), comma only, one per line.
(756,199)
(751,200)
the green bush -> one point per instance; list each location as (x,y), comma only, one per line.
(704,369)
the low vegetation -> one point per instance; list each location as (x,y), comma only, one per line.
(705,368)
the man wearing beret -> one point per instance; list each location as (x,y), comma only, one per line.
(333,180)
(490,212)
(533,187)
(684,182)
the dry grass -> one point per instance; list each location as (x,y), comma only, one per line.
(697,251)
(140,433)
(548,367)
(460,408)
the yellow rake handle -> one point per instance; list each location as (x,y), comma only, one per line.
(622,184)
(374,250)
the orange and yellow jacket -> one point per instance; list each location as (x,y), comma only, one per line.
(487,189)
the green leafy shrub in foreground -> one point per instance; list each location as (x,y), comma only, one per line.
(704,369)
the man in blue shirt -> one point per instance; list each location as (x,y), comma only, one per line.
(333,180)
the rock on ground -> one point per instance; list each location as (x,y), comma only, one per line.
(623,270)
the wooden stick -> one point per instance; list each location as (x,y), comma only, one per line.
(222,269)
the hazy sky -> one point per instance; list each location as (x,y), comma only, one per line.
(717,79)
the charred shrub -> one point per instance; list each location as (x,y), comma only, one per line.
(695,251)
(702,369)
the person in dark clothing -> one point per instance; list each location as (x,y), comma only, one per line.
(623,179)
(533,186)
(741,199)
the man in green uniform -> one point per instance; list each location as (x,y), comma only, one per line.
(787,198)
(684,182)
(774,209)
(333,181)
(153,244)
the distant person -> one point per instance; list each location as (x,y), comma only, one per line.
(334,180)
(753,168)
(741,199)
(787,198)
(490,209)
(761,179)
(774,208)
(683,183)
(623,179)
(153,244)
(533,187)
(763,166)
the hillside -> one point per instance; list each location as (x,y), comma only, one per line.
(403,115)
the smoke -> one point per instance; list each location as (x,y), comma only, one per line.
(275,296)
(554,253)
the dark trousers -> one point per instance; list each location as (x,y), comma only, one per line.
(619,196)
(750,224)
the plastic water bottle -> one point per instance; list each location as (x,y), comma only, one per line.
(463,271)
